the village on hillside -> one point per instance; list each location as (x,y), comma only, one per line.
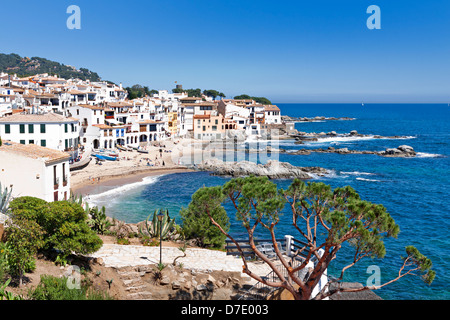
(54,125)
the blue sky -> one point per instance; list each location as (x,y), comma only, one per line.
(288,51)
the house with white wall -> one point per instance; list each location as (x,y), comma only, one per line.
(35,171)
(49,130)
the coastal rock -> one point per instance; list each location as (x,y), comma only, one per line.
(272,169)
(401,151)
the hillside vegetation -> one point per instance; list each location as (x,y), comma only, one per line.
(24,66)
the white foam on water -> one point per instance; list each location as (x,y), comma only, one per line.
(357,173)
(111,194)
(428,155)
(364,179)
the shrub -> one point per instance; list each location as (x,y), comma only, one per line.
(53,288)
(197,225)
(24,237)
(64,223)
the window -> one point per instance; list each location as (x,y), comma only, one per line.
(42,128)
(204,128)
(7,128)
(214,128)
(43,143)
(30,128)
(31,141)
(22,141)
(217,121)
(22,128)
(65,127)
(78,112)
(55,181)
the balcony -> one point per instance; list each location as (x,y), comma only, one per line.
(56,184)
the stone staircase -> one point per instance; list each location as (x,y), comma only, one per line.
(132,281)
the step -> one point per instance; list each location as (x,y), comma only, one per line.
(136,288)
(128,282)
(141,295)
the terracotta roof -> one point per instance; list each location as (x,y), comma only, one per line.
(202,116)
(76,92)
(102,126)
(271,108)
(203,103)
(88,106)
(191,98)
(37,118)
(119,104)
(34,151)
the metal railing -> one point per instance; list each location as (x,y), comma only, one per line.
(295,250)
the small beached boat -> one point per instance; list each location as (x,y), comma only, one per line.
(105,157)
(118,146)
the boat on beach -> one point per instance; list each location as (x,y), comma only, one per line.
(105,157)
(142,151)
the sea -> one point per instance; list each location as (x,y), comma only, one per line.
(415,191)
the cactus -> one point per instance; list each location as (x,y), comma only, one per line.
(98,221)
(155,226)
(5,197)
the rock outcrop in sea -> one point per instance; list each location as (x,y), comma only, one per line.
(302,137)
(403,151)
(273,169)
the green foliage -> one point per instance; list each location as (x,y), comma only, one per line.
(24,237)
(213,93)
(256,199)
(53,288)
(3,262)
(324,218)
(148,241)
(348,218)
(15,64)
(64,223)
(196,223)
(165,226)
(421,262)
(6,295)
(260,100)
(138,91)
(98,222)
(5,198)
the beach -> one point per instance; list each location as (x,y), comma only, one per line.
(132,166)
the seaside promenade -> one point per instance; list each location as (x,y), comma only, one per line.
(119,256)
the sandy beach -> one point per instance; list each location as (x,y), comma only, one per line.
(132,166)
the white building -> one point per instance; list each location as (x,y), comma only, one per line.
(32,170)
(272,114)
(49,130)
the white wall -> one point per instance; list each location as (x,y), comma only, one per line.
(32,177)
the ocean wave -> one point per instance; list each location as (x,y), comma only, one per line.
(364,179)
(357,173)
(428,155)
(110,194)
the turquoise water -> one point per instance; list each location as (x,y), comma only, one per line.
(414,190)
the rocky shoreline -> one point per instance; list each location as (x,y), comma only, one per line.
(301,137)
(272,169)
(403,151)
